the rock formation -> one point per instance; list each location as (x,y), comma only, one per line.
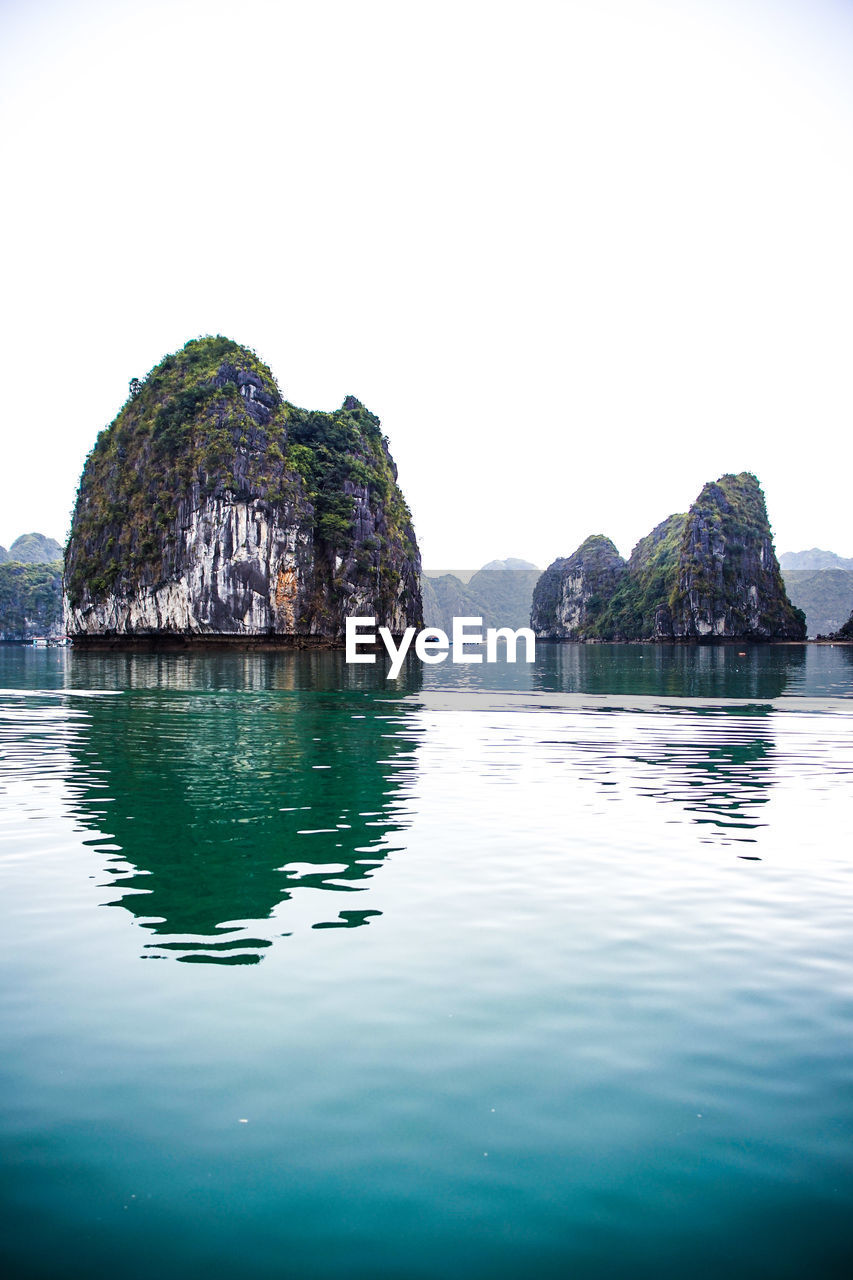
(711,574)
(213,507)
(571,594)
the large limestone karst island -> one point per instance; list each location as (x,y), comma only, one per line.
(212,508)
(711,574)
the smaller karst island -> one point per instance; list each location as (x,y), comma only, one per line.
(213,511)
(708,575)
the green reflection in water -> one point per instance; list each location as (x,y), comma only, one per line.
(223,788)
(686,671)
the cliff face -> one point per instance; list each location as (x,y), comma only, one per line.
(729,581)
(710,574)
(570,596)
(213,506)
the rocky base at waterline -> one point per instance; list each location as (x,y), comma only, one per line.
(190,642)
(213,509)
(708,575)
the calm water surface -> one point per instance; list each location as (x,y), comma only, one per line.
(499,972)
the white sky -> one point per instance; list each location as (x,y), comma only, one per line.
(580,257)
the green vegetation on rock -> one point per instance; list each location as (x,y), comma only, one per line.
(634,610)
(729,578)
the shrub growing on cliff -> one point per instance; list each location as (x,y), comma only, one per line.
(647,587)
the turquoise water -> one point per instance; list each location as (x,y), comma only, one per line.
(482,972)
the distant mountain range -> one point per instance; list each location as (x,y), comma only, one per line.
(824,595)
(495,566)
(814,559)
(31,588)
(32,548)
(821,584)
(500,593)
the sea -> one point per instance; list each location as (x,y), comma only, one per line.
(499,971)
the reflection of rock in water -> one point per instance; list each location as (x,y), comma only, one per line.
(687,671)
(286,670)
(716,765)
(231,790)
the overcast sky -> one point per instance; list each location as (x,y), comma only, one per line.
(580,257)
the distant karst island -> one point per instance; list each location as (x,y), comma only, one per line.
(32,548)
(31,588)
(212,508)
(708,575)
